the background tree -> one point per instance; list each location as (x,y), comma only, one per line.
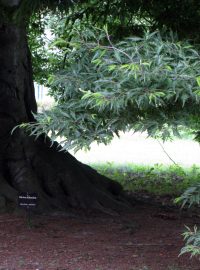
(128,17)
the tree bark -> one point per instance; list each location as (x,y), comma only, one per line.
(29,165)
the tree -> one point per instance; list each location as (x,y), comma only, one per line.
(148,83)
(128,17)
(33,165)
(123,18)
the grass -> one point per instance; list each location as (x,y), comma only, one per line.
(158,179)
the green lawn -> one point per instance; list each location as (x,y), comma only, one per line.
(157,179)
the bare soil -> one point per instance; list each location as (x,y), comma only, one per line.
(149,236)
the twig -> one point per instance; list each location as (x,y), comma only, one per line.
(166,152)
(116,49)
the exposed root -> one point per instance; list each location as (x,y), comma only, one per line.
(60,180)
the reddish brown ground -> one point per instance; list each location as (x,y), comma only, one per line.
(149,236)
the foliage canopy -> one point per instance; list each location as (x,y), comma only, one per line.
(145,84)
(124,18)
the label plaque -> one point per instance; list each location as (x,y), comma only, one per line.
(27,200)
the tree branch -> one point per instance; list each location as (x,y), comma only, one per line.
(166,152)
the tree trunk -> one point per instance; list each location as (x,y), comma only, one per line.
(29,165)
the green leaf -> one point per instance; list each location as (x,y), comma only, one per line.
(60,43)
(112,67)
(198,80)
(51,79)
